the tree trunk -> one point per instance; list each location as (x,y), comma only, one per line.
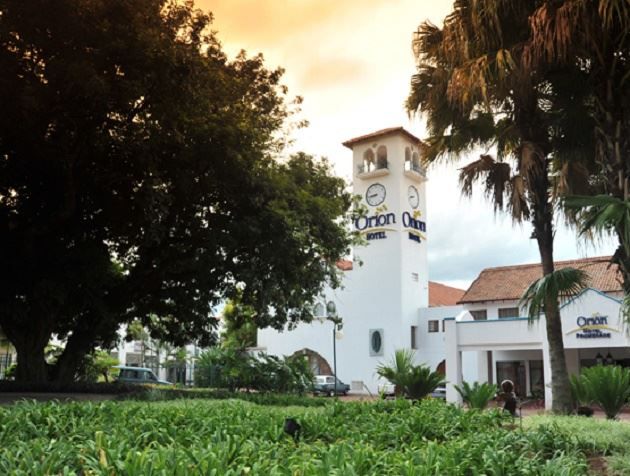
(68,364)
(560,385)
(78,345)
(31,360)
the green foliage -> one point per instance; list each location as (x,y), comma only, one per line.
(98,364)
(398,369)
(476,395)
(143,180)
(562,284)
(233,369)
(580,391)
(608,386)
(234,438)
(414,381)
(240,325)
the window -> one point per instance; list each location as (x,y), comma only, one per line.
(369,162)
(414,277)
(415,162)
(507,312)
(479,315)
(381,157)
(414,333)
(318,310)
(376,342)
(434,326)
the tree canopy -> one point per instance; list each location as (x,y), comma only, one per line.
(480,92)
(140,176)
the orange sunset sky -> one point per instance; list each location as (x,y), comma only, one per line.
(352,62)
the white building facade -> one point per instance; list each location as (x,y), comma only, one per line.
(479,336)
(385,300)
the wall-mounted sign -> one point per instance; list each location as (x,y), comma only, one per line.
(374,226)
(594,327)
(365,222)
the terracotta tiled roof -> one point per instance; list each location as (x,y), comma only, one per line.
(510,282)
(344,265)
(442,295)
(383,132)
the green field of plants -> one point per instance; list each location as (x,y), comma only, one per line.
(233,437)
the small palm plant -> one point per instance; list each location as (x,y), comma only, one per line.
(476,395)
(397,370)
(581,395)
(608,386)
(422,381)
(414,381)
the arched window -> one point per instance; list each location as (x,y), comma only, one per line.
(415,163)
(369,163)
(381,157)
(318,311)
(407,158)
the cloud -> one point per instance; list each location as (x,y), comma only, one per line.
(269,22)
(333,72)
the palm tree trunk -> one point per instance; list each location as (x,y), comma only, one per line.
(560,385)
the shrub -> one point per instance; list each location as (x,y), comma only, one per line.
(415,381)
(478,395)
(608,386)
(581,396)
(233,369)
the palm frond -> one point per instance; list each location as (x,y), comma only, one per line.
(562,284)
(602,213)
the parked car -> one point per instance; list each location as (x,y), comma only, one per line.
(325,385)
(138,375)
(439,392)
(386,389)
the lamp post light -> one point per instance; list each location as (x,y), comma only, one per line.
(331,315)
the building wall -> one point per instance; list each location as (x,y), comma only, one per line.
(383,293)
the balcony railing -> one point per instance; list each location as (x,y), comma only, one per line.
(373,167)
(414,167)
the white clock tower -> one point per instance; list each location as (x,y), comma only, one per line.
(391,285)
(387,284)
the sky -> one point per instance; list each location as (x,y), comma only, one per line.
(352,62)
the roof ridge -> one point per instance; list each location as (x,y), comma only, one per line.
(532,265)
(381,132)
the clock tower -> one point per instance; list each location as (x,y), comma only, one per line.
(391,284)
(386,285)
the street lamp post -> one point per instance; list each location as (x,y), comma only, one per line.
(331,315)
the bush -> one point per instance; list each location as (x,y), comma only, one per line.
(232,369)
(608,386)
(414,381)
(478,395)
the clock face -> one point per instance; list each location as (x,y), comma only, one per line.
(375,194)
(413,196)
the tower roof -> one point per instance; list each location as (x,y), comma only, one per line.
(383,132)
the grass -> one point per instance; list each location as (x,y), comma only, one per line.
(593,436)
(231,437)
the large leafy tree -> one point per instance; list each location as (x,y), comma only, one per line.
(139,177)
(476,90)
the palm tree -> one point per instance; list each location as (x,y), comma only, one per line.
(397,370)
(414,381)
(593,36)
(476,89)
